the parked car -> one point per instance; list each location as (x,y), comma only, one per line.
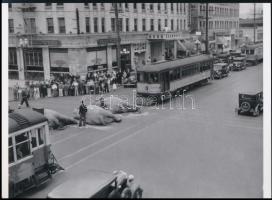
(250,103)
(238,66)
(97,184)
(220,70)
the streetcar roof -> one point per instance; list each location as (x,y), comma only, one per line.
(24,118)
(253,46)
(84,186)
(239,58)
(156,67)
(220,64)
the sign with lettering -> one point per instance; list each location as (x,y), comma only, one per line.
(107,41)
(46,42)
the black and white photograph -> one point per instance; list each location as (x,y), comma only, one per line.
(136,99)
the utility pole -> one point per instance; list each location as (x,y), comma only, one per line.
(207,28)
(254,29)
(118,49)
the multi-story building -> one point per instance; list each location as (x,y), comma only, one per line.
(247,29)
(54,38)
(223,22)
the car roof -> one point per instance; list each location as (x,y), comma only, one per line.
(24,118)
(84,186)
(156,67)
(251,92)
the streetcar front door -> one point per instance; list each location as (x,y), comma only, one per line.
(165,81)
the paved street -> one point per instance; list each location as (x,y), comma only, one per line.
(208,151)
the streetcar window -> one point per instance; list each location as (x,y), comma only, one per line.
(171,73)
(153,78)
(33,139)
(178,73)
(251,52)
(40,136)
(145,77)
(11,153)
(22,145)
(140,77)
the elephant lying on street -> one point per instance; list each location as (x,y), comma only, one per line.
(56,120)
(117,105)
(98,116)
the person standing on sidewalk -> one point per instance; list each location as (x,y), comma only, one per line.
(25,97)
(82,114)
(75,84)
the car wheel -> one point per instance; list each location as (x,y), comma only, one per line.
(126,193)
(138,193)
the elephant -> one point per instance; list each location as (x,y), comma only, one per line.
(56,120)
(117,105)
(97,116)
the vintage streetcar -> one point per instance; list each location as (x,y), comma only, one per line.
(159,81)
(254,53)
(31,162)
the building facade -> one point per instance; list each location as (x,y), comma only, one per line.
(48,39)
(247,29)
(223,22)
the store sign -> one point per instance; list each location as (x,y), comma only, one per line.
(103,42)
(46,42)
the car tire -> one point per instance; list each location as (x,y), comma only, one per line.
(138,193)
(126,193)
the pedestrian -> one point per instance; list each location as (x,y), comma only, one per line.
(61,89)
(75,84)
(114,86)
(25,97)
(82,114)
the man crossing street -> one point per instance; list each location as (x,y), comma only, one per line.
(82,114)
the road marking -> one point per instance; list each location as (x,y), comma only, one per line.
(95,143)
(113,144)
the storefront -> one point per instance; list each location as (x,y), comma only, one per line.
(58,62)
(96,59)
(125,54)
(33,62)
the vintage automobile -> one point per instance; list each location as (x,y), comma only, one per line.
(220,70)
(96,184)
(238,66)
(250,103)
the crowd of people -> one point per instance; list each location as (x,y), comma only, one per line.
(70,85)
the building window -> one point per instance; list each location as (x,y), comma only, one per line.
(152,24)
(165,23)
(172,24)
(151,7)
(127,24)
(11,25)
(60,5)
(135,7)
(62,25)
(181,27)
(30,25)
(177,24)
(184,24)
(33,61)
(95,24)
(143,7)
(112,24)
(10,5)
(48,4)
(184,8)
(86,5)
(50,25)
(177,7)
(159,7)
(12,63)
(126,7)
(102,6)
(135,25)
(172,7)
(143,25)
(159,24)
(165,7)
(120,24)
(87,21)
(94,6)
(103,25)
